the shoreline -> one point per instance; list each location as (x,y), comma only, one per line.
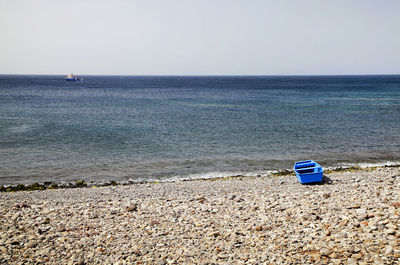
(273,173)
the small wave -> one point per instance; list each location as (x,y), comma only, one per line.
(203,176)
(376,164)
(362,165)
(20,129)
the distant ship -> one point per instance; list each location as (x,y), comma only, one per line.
(72,77)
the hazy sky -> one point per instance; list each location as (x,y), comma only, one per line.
(203,37)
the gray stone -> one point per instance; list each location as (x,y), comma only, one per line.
(388,250)
(325,252)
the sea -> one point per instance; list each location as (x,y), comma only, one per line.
(168,128)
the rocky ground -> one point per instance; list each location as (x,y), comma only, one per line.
(353,218)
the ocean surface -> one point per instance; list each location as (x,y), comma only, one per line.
(167,128)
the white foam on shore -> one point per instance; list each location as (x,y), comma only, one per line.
(366,165)
(226,174)
(200,176)
(382,164)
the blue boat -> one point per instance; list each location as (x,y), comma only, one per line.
(72,77)
(308,171)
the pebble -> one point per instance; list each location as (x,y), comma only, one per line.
(80,261)
(388,250)
(390,231)
(325,252)
(132,208)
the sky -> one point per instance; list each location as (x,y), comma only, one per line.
(202,37)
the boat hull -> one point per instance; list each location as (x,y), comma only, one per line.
(308,171)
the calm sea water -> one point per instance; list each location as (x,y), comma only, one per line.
(165,128)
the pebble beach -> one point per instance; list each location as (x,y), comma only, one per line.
(353,217)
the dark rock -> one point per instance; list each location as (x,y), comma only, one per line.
(20,187)
(35,186)
(81,183)
(54,186)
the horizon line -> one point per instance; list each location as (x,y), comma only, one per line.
(206,75)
